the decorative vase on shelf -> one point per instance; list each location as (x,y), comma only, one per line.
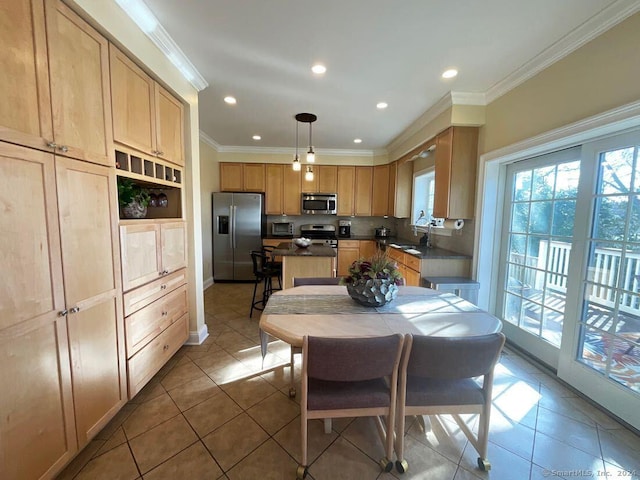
(374,292)
(134,210)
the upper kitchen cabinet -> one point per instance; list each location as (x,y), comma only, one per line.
(363,191)
(146,117)
(242,177)
(25,110)
(325,180)
(346,187)
(400,178)
(380,191)
(80,93)
(455,172)
(282,190)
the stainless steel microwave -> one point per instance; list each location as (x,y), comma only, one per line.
(319,203)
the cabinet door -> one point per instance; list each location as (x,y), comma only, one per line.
(310,186)
(443,174)
(368,248)
(93,293)
(274,188)
(231,177)
(133,105)
(80,93)
(25,109)
(393,175)
(380,191)
(346,194)
(140,254)
(173,246)
(253,177)
(327,178)
(364,179)
(169,126)
(36,398)
(402,190)
(292,194)
(346,256)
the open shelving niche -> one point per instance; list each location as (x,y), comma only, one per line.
(157,176)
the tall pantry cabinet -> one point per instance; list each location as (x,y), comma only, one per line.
(61,325)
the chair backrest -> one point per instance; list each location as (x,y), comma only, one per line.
(297,281)
(454,357)
(259,261)
(352,359)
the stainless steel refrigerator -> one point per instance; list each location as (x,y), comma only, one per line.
(238,223)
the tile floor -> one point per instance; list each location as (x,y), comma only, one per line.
(215,411)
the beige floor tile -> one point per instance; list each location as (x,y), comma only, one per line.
(210,414)
(150,391)
(445,437)
(553,454)
(182,374)
(572,432)
(274,412)
(514,437)
(515,402)
(235,440)
(615,471)
(267,462)
(81,460)
(117,421)
(247,393)
(317,441)
(621,448)
(278,377)
(193,463)
(463,474)
(149,415)
(162,442)
(116,464)
(505,465)
(342,460)
(194,392)
(230,373)
(214,360)
(362,432)
(563,406)
(117,439)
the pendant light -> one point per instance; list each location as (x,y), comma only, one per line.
(308,175)
(307,118)
(311,156)
(297,166)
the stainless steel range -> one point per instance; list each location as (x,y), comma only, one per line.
(320,234)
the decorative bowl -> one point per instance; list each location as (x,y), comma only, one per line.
(373,292)
(302,242)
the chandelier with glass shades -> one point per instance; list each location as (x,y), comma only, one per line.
(311,156)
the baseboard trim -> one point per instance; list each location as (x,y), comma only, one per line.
(207,283)
(196,338)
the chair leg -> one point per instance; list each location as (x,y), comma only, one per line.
(292,388)
(253,299)
(483,438)
(302,470)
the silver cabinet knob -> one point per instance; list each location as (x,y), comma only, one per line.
(63,313)
(163,287)
(164,314)
(63,148)
(52,145)
(74,310)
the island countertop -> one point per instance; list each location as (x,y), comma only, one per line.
(289,249)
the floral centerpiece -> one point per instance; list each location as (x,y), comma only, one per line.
(373,282)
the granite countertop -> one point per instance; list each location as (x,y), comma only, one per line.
(278,237)
(413,246)
(289,249)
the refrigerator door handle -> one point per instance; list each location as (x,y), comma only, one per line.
(233,227)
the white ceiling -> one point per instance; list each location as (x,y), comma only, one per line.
(261,52)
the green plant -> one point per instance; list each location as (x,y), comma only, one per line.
(129,192)
(379,266)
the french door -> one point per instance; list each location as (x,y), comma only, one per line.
(570,269)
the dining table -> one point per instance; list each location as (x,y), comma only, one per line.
(329,311)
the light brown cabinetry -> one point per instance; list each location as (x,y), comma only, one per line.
(146,117)
(348,252)
(380,191)
(346,186)
(325,180)
(408,265)
(400,186)
(242,177)
(151,250)
(61,329)
(154,277)
(368,248)
(282,190)
(49,102)
(363,191)
(455,172)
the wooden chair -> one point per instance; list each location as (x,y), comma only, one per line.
(350,377)
(437,377)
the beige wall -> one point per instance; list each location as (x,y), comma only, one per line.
(209,183)
(601,75)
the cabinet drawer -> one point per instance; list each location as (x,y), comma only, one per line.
(348,243)
(396,254)
(146,363)
(145,324)
(143,296)
(412,262)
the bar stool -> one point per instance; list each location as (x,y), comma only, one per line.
(460,286)
(263,273)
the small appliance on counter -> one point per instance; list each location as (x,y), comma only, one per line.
(344,228)
(282,229)
(383,232)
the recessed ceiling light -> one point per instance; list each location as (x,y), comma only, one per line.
(257,137)
(452,72)
(230,100)
(381,105)
(357,140)
(318,69)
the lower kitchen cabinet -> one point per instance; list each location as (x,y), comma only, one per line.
(348,252)
(408,265)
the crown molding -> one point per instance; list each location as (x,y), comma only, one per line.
(328,152)
(595,26)
(468,98)
(142,16)
(210,141)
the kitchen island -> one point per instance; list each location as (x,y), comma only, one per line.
(312,261)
